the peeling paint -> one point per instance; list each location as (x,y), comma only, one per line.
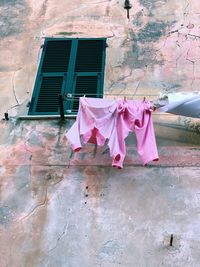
(152,32)
(143,51)
(137,21)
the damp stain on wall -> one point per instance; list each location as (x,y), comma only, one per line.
(151,3)
(152,32)
(137,21)
(13,15)
(143,51)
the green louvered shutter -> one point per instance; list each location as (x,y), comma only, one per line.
(51,77)
(68,66)
(88,71)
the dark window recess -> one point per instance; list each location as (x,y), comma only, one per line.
(85,85)
(89,56)
(50,88)
(56,58)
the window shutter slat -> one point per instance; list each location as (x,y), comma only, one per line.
(56,58)
(50,88)
(89,60)
(85,85)
(89,56)
(52,71)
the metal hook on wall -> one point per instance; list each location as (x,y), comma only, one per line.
(127,6)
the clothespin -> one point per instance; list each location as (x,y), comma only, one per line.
(125,98)
(144,99)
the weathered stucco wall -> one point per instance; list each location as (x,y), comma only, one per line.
(70,210)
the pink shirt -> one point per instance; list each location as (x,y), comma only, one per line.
(95,123)
(99,120)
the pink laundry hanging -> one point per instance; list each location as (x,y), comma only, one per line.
(99,120)
(136,116)
(95,122)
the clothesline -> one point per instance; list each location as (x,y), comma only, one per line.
(76,97)
(69,95)
(181,103)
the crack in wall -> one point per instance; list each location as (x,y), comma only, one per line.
(13,88)
(14,91)
(193,69)
(185,9)
(30,157)
(178,57)
(137,87)
(186,50)
(41,204)
(194,35)
(159,49)
(64,232)
(120,80)
(186,35)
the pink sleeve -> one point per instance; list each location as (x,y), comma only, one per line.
(73,136)
(145,136)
